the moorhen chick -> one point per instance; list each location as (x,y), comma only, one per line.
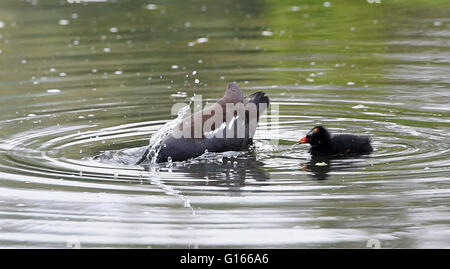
(323,143)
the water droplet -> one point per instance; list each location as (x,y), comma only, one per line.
(179,94)
(53,90)
(202,40)
(151,7)
(63,22)
(359,106)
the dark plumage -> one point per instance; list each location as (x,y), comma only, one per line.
(181,148)
(323,143)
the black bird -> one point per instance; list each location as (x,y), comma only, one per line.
(227,133)
(323,143)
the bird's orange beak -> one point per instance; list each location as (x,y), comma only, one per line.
(304,140)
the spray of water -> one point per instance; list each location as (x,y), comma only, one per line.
(156,140)
(155,146)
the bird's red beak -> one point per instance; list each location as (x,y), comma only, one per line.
(304,140)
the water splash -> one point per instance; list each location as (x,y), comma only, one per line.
(156,140)
(155,179)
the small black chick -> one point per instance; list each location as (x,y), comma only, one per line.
(323,143)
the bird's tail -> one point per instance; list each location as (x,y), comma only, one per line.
(260,100)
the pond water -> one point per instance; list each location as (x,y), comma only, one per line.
(84,85)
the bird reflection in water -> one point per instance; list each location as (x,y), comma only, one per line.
(318,166)
(321,167)
(222,170)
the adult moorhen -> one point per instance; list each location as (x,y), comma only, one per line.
(230,130)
